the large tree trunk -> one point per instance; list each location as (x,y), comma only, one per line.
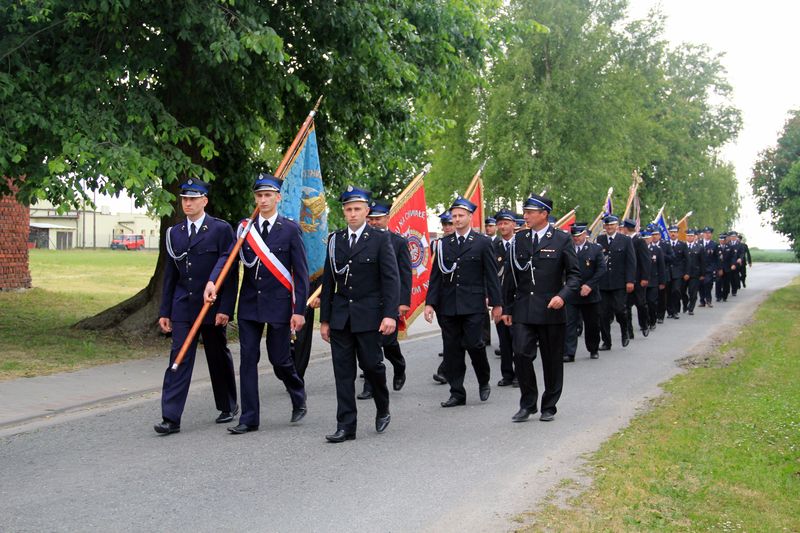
(138,315)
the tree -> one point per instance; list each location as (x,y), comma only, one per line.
(776,182)
(576,108)
(109,95)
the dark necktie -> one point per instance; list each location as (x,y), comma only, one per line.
(265,230)
(460,240)
(507,245)
(353,237)
(535,240)
(192,232)
(610,241)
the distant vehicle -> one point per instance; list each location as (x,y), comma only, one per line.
(128,242)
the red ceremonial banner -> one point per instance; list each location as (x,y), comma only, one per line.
(475,195)
(409,218)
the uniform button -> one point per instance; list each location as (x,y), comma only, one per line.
(351,261)
(531,292)
(456,284)
(259,292)
(190,279)
(190,294)
(351,301)
(351,288)
(259,278)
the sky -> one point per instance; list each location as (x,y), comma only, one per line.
(759,41)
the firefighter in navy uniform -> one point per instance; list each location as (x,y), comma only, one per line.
(359,304)
(464,272)
(194,246)
(711,249)
(695,269)
(677,274)
(585,304)
(505,234)
(747,260)
(734,261)
(663,292)
(273,295)
(658,274)
(378,218)
(618,282)
(721,288)
(639,295)
(542,275)
(447,229)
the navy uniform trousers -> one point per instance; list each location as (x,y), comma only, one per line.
(220,369)
(279,353)
(590,314)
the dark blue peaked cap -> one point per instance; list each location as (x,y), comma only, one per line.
(379,209)
(193,188)
(463,203)
(267,182)
(504,214)
(354,194)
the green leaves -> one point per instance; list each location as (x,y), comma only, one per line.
(776,182)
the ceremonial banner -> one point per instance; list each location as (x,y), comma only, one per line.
(609,207)
(566,222)
(475,195)
(409,218)
(303,200)
(683,225)
(662,225)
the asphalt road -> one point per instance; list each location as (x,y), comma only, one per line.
(461,469)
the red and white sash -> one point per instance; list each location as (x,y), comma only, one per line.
(268,259)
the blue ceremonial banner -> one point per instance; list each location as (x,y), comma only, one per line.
(662,226)
(303,200)
(609,209)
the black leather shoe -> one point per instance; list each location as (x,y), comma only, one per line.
(652,327)
(676,317)
(569,358)
(626,341)
(523,414)
(484,391)
(604,348)
(547,416)
(702,304)
(399,381)
(659,321)
(505,382)
(497,352)
(452,401)
(441,354)
(340,436)
(298,413)
(364,395)
(691,313)
(439,379)
(165,427)
(645,332)
(227,416)
(242,428)
(382,422)
(710,304)
(594,355)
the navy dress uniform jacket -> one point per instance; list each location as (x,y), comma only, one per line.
(185,280)
(370,291)
(712,256)
(696,260)
(464,292)
(592,264)
(528,292)
(679,260)
(403,255)
(621,262)
(643,260)
(262,298)
(658,267)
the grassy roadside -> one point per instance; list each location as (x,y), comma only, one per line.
(35,333)
(773,256)
(720,451)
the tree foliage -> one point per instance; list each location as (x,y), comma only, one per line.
(776,182)
(576,108)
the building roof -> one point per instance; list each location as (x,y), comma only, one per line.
(45,225)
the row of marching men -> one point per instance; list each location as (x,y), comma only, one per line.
(536,282)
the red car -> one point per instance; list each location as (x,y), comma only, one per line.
(128,242)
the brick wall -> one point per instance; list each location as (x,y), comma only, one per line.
(14,228)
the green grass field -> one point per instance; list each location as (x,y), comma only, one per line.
(773,256)
(35,333)
(719,451)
